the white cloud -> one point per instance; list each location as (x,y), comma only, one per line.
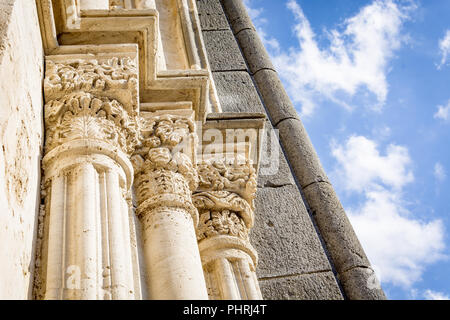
(363,165)
(444,48)
(439,172)
(357,58)
(433,295)
(399,245)
(443,112)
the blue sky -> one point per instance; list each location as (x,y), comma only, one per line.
(370,81)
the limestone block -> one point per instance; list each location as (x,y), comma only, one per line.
(284,235)
(254,51)
(335,228)
(223,51)
(361,284)
(316,286)
(275,98)
(21,72)
(211,15)
(236,92)
(300,152)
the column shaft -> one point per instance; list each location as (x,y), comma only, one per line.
(226,279)
(172,256)
(121,287)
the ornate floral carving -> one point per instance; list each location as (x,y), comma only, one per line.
(82,116)
(218,175)
(225,222)
(166,131)
(113,75)
(160,160)
(222,212)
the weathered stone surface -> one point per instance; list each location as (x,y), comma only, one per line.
(300,152)
(236,92)
(254,51)
(275,98)
(335,228)
(237,15)
(223,51)
(361,284)
(284,235)
(211,15)
(274,170)
(316,286)
(21,72)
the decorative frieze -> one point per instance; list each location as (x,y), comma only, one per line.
(116,78)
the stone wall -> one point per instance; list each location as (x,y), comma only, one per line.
(21,72)
(292,260)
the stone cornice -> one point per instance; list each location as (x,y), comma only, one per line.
(68,30)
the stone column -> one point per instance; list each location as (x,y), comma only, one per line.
(229,260)
(165,179)
(86,252)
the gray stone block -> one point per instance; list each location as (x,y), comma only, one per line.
(237,15)
(254,51)
(223,51)
(236,92)
(276,100)
(361,284)
(284,236)
(316,286)
(274,170)
(300,153)
(335,228)
(211,15)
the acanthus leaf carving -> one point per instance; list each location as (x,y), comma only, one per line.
(81,115)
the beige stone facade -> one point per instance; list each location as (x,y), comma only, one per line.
(139,161)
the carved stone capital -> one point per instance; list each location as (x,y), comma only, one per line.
(222,213)
(220,175)
(171,131)
(165,172)
(82,115)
